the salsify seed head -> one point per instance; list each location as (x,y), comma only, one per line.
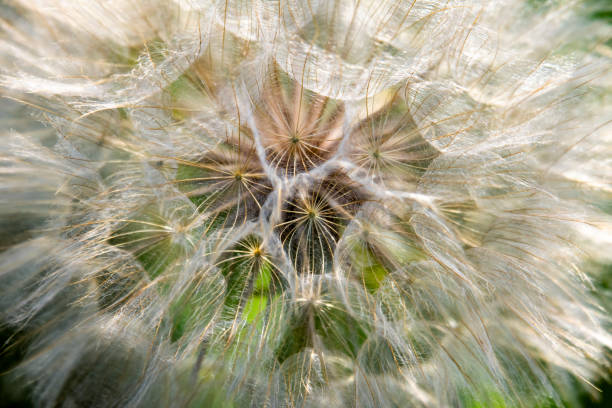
(304,203)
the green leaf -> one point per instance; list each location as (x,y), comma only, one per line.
(254,307)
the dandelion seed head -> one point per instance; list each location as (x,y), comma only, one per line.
(304,203)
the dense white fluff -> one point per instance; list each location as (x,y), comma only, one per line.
(304,203)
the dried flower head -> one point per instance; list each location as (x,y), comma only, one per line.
(236,203)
